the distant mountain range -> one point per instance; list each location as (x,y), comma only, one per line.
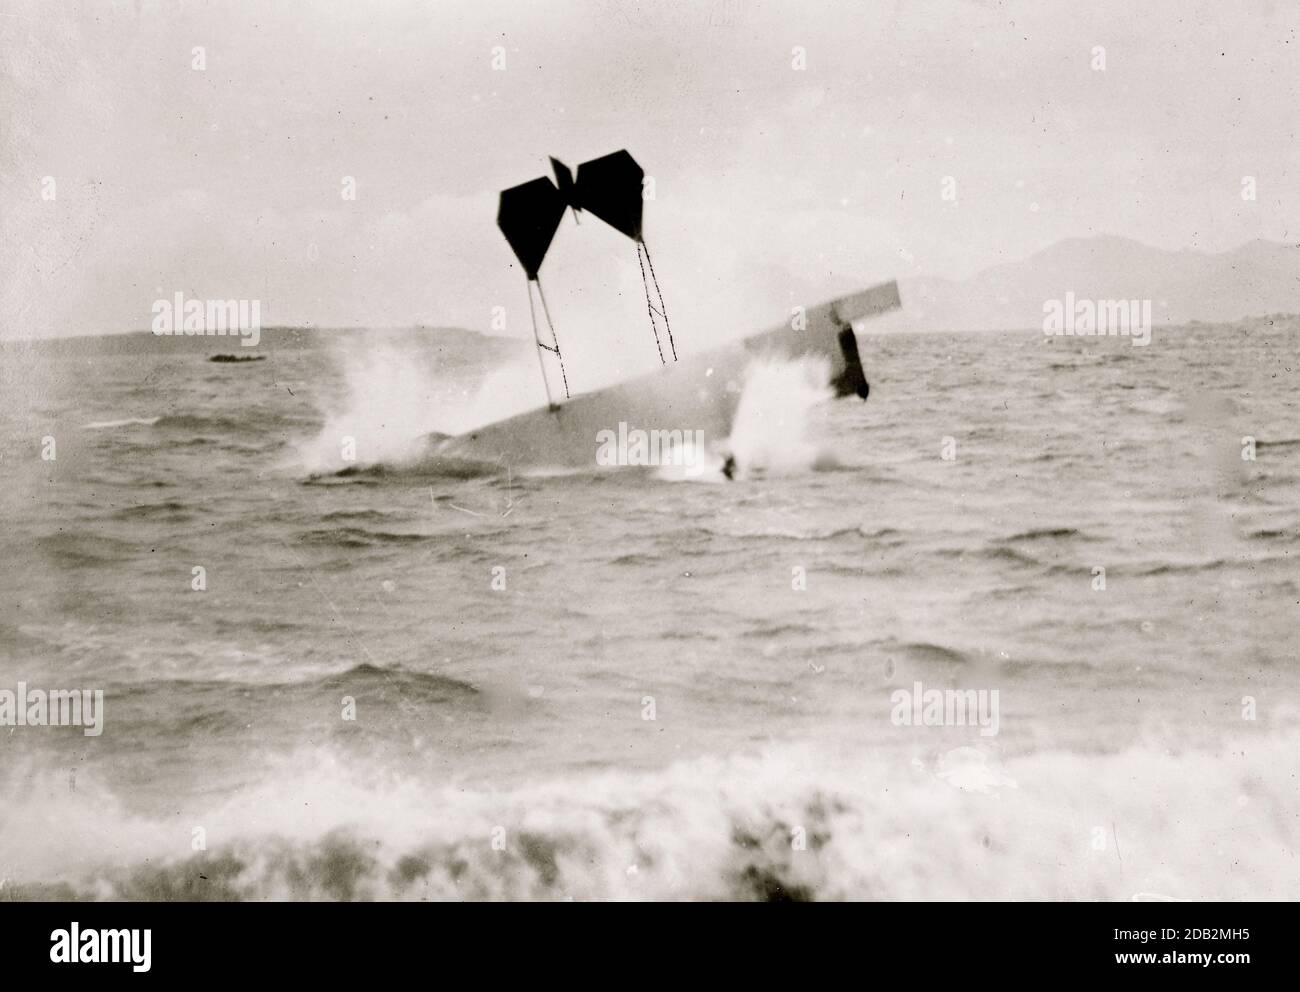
(450,345)
(1261,277)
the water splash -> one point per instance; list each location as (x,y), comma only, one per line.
(786,822)
(394,396)
(771,430)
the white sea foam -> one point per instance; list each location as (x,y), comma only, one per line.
(128,422)
(791,822)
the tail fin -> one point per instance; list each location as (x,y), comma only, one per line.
(852,379)
(827,330)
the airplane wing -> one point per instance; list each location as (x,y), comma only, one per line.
(697,393)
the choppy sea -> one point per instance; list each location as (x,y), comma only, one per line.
(628,684)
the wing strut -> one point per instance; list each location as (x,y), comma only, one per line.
(611,187)
(661,310)
(554,348)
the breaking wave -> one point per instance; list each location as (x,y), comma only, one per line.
(128,422)
(786,824)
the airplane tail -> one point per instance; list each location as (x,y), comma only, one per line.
(827,330)
(853,380)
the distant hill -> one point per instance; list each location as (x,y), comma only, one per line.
(453,345)
(1261,277)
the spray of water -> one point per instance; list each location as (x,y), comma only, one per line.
(770,433)
(394,396)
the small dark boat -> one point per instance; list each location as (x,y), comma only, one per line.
(237,358)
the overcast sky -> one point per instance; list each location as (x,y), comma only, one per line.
(772,183)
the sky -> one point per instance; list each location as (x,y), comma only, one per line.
(773,183)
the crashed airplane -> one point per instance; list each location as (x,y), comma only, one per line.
(697,392)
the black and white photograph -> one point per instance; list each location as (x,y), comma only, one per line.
(641,452)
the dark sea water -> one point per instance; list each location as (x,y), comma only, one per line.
(501,746)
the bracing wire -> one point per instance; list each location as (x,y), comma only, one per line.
(551,324)
(650,306)
(532,312)
(663,309)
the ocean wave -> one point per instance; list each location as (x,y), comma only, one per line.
(431,468)
(767,630)
(169,510)
(256,420)
(1180,568)
(992,552)
(924,652)
(357,537)
(179,707)
(635,558)
(358,515)
(1273,535)
(99,425)
(220,424)
(1045,533)
(786,824)
(418,686)
(1160,406)
(787,532)
(71,549)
